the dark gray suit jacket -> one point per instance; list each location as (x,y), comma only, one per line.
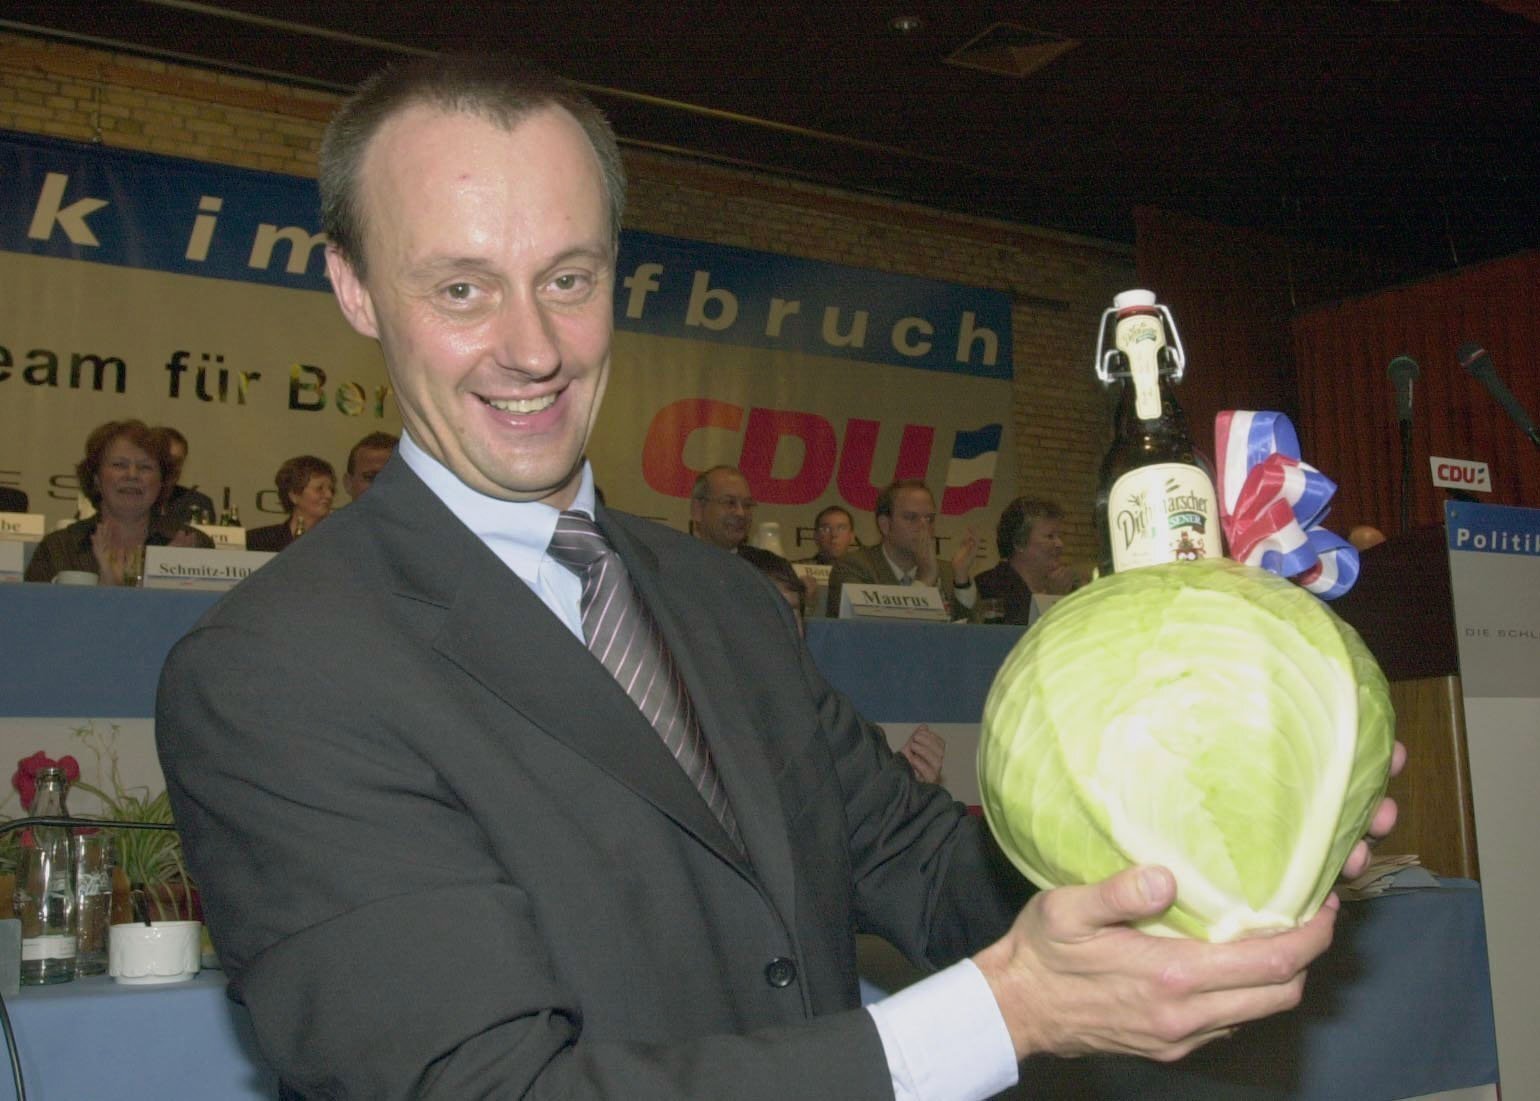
(443,855)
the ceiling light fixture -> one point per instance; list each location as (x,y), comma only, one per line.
(905,24)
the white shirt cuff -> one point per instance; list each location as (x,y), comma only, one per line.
(944,1038)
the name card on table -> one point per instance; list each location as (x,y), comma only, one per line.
(225,536)
(24,527)
(13,560)
(921,603)
(816,570)
(199,568)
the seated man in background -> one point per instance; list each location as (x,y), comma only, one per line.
(721,509)
(906,554)
(184,504)
(368,458)
(834,533)
(1030,538)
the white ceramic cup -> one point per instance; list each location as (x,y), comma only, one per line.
(168,951)
(74,577)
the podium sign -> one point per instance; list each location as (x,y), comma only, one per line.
(225,536)
(199,568)
(1494,574)
(24,527)
(13,560)
(920,603)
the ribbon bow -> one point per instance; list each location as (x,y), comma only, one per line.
(1272,504)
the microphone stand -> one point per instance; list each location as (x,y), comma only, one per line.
(1406,476)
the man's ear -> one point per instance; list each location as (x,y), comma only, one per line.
(351,294)
(883,523)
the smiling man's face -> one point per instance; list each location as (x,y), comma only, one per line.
(490,286)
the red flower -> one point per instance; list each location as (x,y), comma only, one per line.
(25,778)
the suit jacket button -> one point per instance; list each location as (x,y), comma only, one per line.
(780,972)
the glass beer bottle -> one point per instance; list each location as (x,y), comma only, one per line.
(1155,499)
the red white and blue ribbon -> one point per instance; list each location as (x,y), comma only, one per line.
(1272,504)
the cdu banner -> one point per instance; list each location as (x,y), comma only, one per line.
(194,294)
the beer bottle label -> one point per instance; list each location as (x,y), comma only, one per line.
(1164,512)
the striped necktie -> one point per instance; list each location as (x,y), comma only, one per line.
(621,633)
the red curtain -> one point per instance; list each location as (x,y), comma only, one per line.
(1348,424)
(1234,293)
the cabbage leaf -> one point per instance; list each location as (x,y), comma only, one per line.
(1207,716)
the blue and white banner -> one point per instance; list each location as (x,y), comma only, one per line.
(193,294)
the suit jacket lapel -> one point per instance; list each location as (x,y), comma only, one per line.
(704,659)
(503,635)
(881,566)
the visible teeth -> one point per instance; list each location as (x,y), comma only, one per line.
(512,405)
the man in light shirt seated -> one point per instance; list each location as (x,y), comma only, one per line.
(473,865)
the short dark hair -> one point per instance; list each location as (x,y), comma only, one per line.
(374,441)
(841,509)
(295,474)
(1016,522)
(502,89)
(702,487)
(151,440)
(893,489)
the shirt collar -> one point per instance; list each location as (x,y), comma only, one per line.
(518,532)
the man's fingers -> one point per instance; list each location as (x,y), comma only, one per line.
(1078,913)
(1384,818)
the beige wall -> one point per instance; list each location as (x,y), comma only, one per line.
(1059,284)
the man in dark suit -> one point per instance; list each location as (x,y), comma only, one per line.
(184,504)
(721,509)
(477,869)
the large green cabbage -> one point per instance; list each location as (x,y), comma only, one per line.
(1206,716)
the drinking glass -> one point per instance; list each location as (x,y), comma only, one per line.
(95,859)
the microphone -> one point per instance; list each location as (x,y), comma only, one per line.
(1474,358)
(1403,369)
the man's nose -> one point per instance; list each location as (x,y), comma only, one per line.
(525,341)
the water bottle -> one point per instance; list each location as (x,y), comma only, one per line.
(45,889)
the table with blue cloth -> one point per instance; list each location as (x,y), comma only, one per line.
(1399,1007)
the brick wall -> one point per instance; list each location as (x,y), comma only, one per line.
(1059,284)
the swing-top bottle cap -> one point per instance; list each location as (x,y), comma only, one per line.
(1128,300)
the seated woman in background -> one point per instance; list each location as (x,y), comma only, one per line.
(305,488)
(1031,543)
(124,476)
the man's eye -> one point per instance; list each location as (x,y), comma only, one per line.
(568,281)
(458,291)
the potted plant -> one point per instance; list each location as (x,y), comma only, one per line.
(149,862)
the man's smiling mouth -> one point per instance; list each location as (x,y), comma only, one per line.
(523,406)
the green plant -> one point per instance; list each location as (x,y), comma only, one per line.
(150,860)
